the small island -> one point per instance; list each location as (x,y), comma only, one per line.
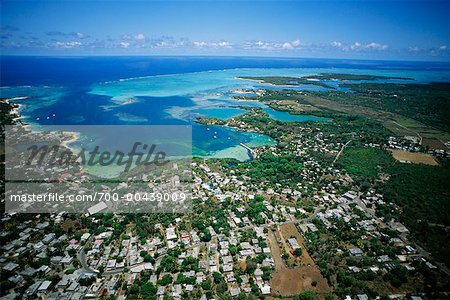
(341,77)
(210,121)
(285,80)
(317,79)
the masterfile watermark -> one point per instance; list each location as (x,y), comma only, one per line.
(90,169)
(61,156)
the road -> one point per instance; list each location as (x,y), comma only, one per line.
(416,133)
(82,258)
(340,151)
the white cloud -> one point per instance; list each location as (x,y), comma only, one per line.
(296,43)
(287,46)
(222,44)
(376,46)
(268,46)
(365,47)
(336,44)
(414,49)
(259,45)
(443,48)
(80,35)
(124,44)
(200,44)
(66,45)
(139,37)
(355,46)
(167,43)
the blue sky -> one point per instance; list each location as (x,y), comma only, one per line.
(404,30)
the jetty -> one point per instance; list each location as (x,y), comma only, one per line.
(252,152)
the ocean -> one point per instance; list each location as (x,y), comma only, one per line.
(172,91)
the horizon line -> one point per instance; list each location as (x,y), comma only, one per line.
(226,56)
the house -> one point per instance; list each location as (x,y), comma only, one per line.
(63,283)
(39,247)
(235,291)
(355,251)
(85,236)
(170,233)
(43,288)
(73,286)
(350,195)
(97,208)
(44,269)
(10,267)
(294,244)
(31,290)
(55,260)
(265,289)
(176,291)
(362,297)
(48,238)
(66,260)
(161,291)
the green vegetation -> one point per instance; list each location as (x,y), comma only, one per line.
(340,76)
(6,117)
(275,169)
(210,121)
(420,190)
(365,164)
(298,252)
(284,80)
(422,193)
(426,103)
(315,79)
(307,295)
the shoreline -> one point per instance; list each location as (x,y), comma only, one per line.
(17,107)
(68,137)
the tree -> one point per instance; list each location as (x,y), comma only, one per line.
(72,252)
(217,277)
(149,258)
(87,281)
(206,285)
(251,266)
(307,295)
(165,280)
(148,291)
(206,236)
(297,252)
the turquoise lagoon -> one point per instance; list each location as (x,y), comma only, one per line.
(175,99)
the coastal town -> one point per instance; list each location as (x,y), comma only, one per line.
(224,150)
(292,222)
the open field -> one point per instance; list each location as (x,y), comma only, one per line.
(434,144)
(291,281)
(398,124)
(415,158)
(291,106)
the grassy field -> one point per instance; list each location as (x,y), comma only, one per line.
(305,276)
(427,103)
(396,123)
(415,158)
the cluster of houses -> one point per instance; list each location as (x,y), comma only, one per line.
(414,144)
(68,266)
